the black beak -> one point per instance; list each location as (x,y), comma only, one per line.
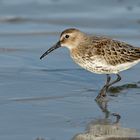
(57,45)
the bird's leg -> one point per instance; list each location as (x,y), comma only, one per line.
(104,89)
(115,81)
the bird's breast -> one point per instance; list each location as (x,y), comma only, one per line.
(93,63)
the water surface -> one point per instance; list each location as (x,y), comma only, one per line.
(54,98)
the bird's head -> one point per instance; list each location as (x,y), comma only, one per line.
(69,38)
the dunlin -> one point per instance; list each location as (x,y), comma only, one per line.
(98,54)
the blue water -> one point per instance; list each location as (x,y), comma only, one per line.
(54,98)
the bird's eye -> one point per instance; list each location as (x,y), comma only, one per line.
(67,36)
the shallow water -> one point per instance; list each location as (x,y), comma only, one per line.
(54,98)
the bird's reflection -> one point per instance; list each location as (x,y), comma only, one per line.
(107,128)
(103,105)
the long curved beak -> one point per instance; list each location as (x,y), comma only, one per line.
(57,45)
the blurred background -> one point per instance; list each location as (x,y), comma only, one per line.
(53,98)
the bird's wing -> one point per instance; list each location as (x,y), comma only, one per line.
(115,52)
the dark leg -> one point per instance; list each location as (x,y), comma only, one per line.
(103,91)
(117,80)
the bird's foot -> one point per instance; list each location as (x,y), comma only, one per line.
(101,96)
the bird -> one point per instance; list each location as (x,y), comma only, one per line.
(98,54)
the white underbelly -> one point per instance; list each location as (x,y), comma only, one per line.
(125,66)
(97,65)
(101,67)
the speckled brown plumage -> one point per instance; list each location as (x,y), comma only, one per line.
(114,52)
(107,50)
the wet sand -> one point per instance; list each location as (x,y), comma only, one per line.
(53,99)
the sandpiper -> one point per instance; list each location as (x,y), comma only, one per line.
(98,54)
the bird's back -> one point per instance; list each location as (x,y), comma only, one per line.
(116,52)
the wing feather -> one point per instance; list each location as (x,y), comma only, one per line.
(115,52)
